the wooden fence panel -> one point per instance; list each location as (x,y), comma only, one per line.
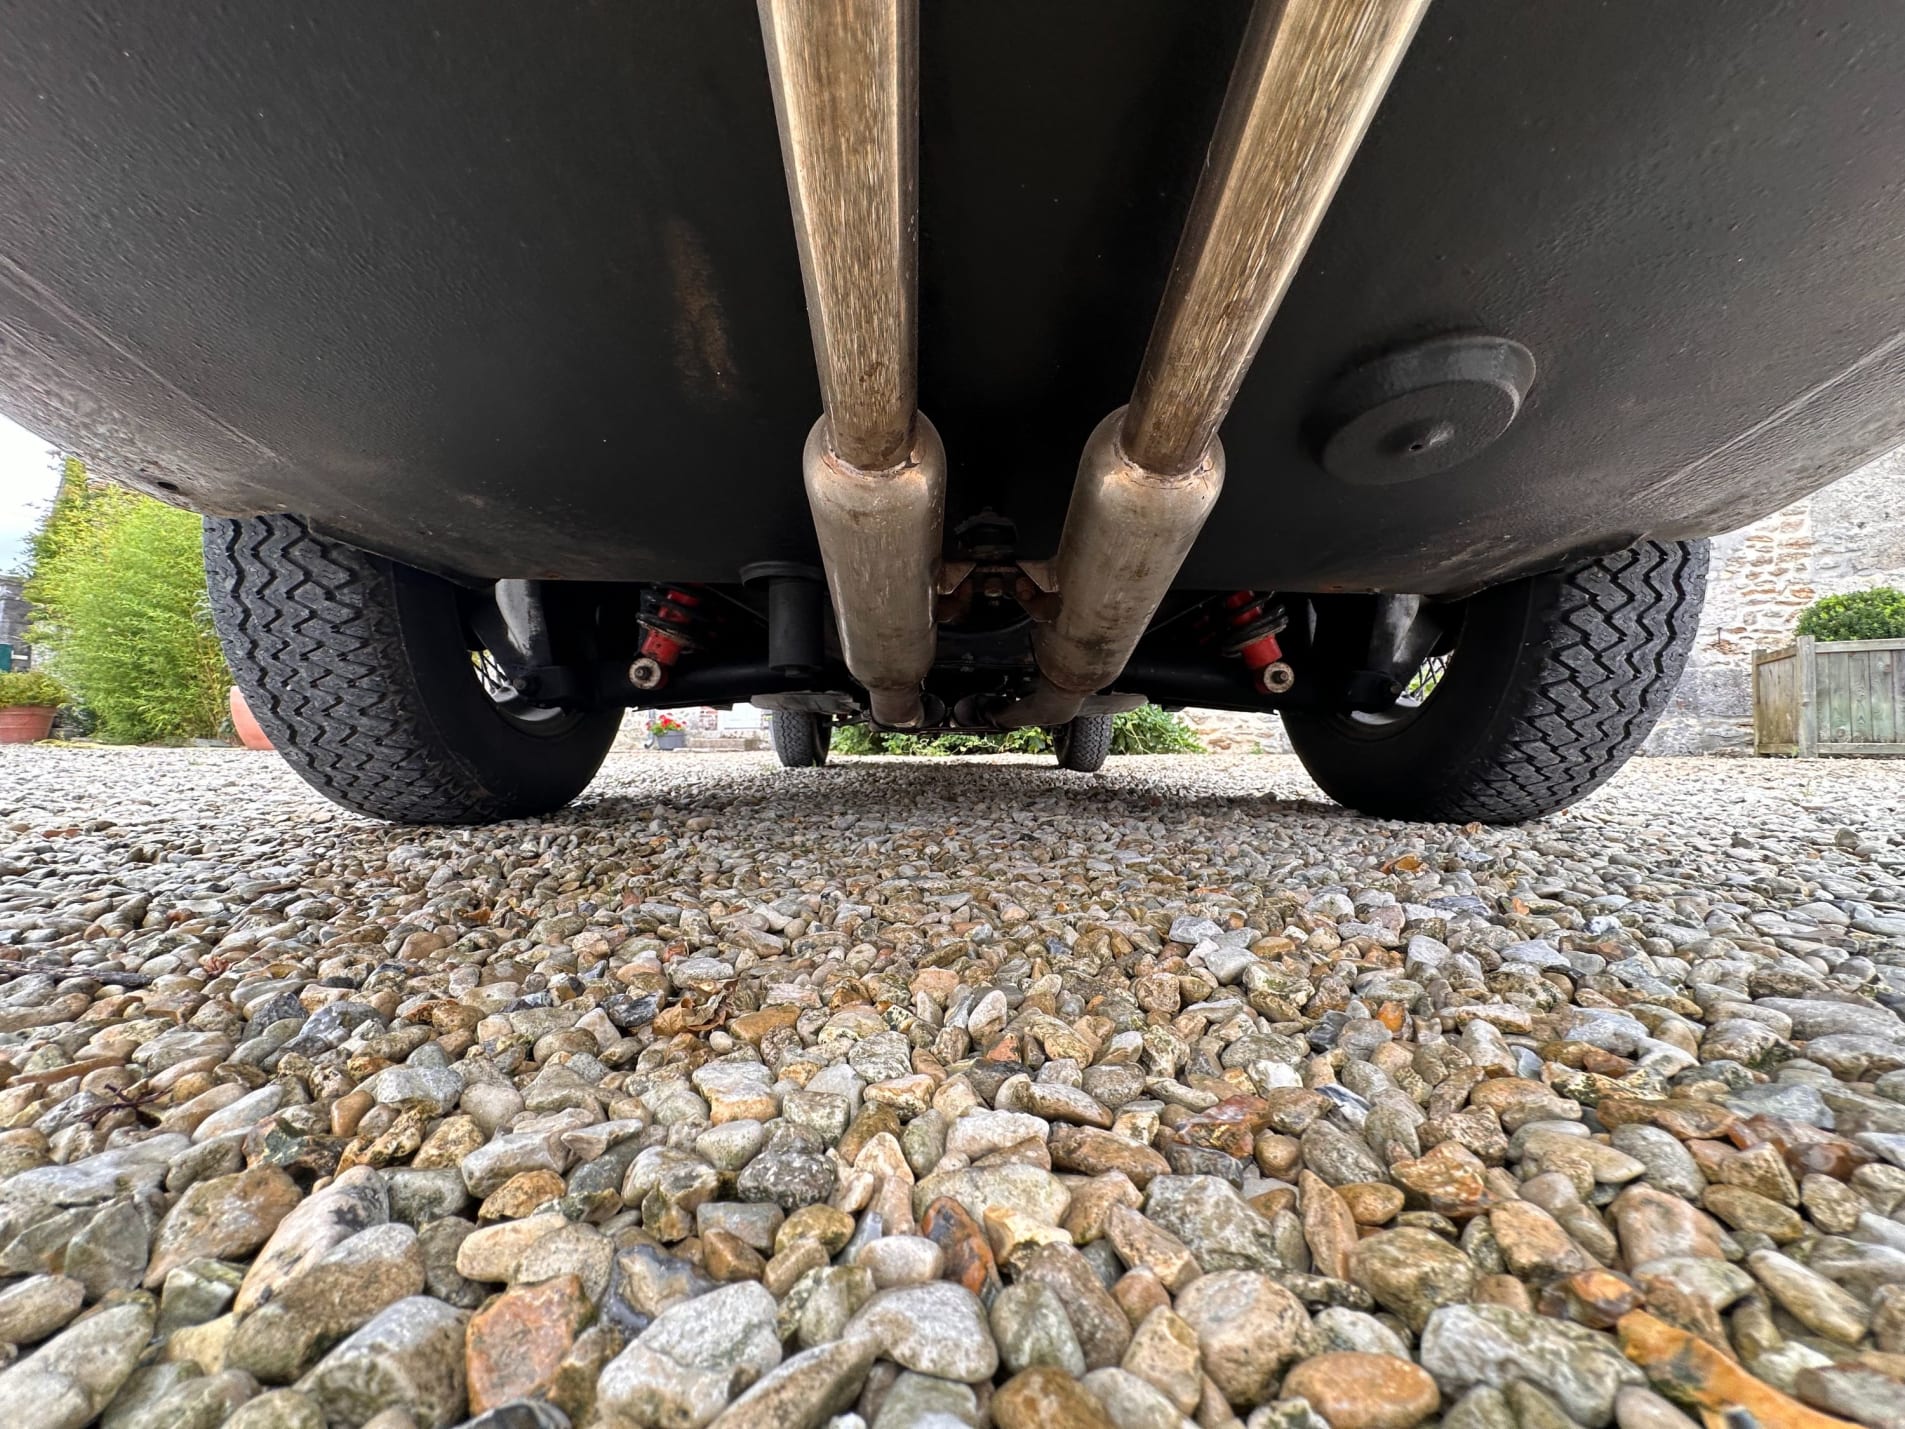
(1830,697)
(1776,702)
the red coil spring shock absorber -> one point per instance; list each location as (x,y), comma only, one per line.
(667,621)
(1255,621)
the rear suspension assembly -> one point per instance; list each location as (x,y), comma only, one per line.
(668,619)
(1252,623)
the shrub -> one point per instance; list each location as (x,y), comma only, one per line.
(1149,730)
(1862,615)
(855,739)
(118,588)
(28,688)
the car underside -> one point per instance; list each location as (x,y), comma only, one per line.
(523,316)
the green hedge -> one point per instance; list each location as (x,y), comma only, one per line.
(1149,730)
(1862,615)
(120,616)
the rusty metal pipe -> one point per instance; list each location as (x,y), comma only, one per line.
(1305,86)
(845,76)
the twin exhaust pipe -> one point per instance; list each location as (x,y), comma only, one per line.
(1306,83)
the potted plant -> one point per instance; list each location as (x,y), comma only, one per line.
(28,702)
(667,732)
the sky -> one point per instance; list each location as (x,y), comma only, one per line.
(29,471)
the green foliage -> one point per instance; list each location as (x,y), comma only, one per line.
(1862,615)
(854,739)
(30,688)
(118,588)
(1150,730)
(1142,731)
(1011,741)
(67,526)
(858,739)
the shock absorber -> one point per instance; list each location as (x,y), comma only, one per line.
(1253,622)
(667,620)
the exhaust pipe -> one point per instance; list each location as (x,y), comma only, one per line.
(846,94)
(1305,86)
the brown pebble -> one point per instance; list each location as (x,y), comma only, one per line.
(348,1112)
(1361,1391)
(521,1195)
(1503,1290)
(968,1255)
(1372,1203)
(516,1342)
(727,1258)
(1138,1293)
(1047,1398)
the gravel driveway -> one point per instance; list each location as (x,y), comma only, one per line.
(945,1093)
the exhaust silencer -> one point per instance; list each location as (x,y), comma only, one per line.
(846,93)
(1305,86)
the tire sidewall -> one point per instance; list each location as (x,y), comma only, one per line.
(522,769)
(1503,640)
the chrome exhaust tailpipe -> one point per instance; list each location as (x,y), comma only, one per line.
(846,93)
(1305,86)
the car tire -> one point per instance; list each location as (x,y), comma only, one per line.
(1552,683)
(801,739)
(1083,745)
(361,670)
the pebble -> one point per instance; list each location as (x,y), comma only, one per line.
(1165,1354)
(1413,1272)
(1362,1391)
(901,1260)
(1131,1403)
(1030,1326)
(406,1358)
(354,1202)
(938,1329)
(805,1390)
(74,1375)
(516,1342)
(1467,1345)
(695,1358)
(325,1300)
(1046,1398)
(1248,1328)
(1810,1298)
(278,1409)
(920,1093)
(33,1308)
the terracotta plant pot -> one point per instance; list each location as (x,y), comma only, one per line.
(23,724)
(243,724)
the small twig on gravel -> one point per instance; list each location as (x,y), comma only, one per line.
(121,1101)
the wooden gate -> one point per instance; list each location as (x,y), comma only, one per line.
(1830,697)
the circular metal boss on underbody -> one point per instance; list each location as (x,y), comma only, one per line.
(1421,409)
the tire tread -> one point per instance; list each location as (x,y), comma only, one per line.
(1619,630)
(1089,744)
(311,632)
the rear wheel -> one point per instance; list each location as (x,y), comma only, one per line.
(1083,745)
(801,739)
(1550,684)
(370,681)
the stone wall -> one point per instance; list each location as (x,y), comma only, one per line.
(1850,536)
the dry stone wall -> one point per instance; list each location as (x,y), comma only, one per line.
(1848,537)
